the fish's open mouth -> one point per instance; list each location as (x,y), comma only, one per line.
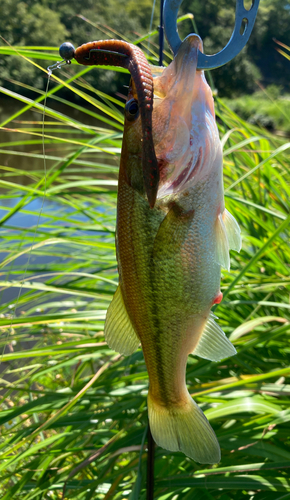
(185,134)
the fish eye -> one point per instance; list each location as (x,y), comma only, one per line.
(132,110)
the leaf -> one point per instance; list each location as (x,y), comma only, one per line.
(244,482)
(254,404)
(251,325)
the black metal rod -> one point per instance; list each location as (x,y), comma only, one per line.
(161,34)
(150,466)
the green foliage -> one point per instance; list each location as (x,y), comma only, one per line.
(266,108)
(73,412)
(49,23)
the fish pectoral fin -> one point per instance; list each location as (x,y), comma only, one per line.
(228,237)
(213,344)
(233,231)
(222,244)
(119,332)
(172,233)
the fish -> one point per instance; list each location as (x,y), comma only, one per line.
(172,239)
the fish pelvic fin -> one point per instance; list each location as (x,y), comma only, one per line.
(183,427)
(228,236)
(119,332)
(213,343)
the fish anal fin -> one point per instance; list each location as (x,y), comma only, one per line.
(233,231)
(119,332)
(213,344)
(183,427)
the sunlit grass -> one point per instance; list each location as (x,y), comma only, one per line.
(74,414)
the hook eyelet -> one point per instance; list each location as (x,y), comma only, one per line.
(132,110)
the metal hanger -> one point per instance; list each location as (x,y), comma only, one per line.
(244,23)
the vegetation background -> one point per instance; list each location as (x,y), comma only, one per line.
(50,22)
(73,416)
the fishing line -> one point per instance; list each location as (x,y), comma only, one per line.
(14,306)
(150,27)
(49,72)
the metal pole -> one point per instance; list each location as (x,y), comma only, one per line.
(150,466)
(161,34)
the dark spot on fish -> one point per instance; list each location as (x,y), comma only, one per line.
(179,212)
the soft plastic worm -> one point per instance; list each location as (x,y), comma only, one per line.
(119,53)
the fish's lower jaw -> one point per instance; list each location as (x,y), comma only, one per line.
(183,428)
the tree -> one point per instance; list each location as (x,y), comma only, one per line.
(30,24)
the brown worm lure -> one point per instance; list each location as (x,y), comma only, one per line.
(126,55)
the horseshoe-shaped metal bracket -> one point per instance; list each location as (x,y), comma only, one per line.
(244,23)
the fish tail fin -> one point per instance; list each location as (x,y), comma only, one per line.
(184,427)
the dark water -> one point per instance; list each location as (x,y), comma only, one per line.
(32,119)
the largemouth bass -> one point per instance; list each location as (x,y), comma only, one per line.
(173,238)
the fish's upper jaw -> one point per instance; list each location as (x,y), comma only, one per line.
(186,138)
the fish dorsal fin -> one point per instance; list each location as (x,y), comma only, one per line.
(213,343)
(119,332)
(233,231)
(228,236)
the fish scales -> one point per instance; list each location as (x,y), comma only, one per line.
(170,256)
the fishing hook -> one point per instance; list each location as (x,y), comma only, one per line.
(105,52)
(244,23)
